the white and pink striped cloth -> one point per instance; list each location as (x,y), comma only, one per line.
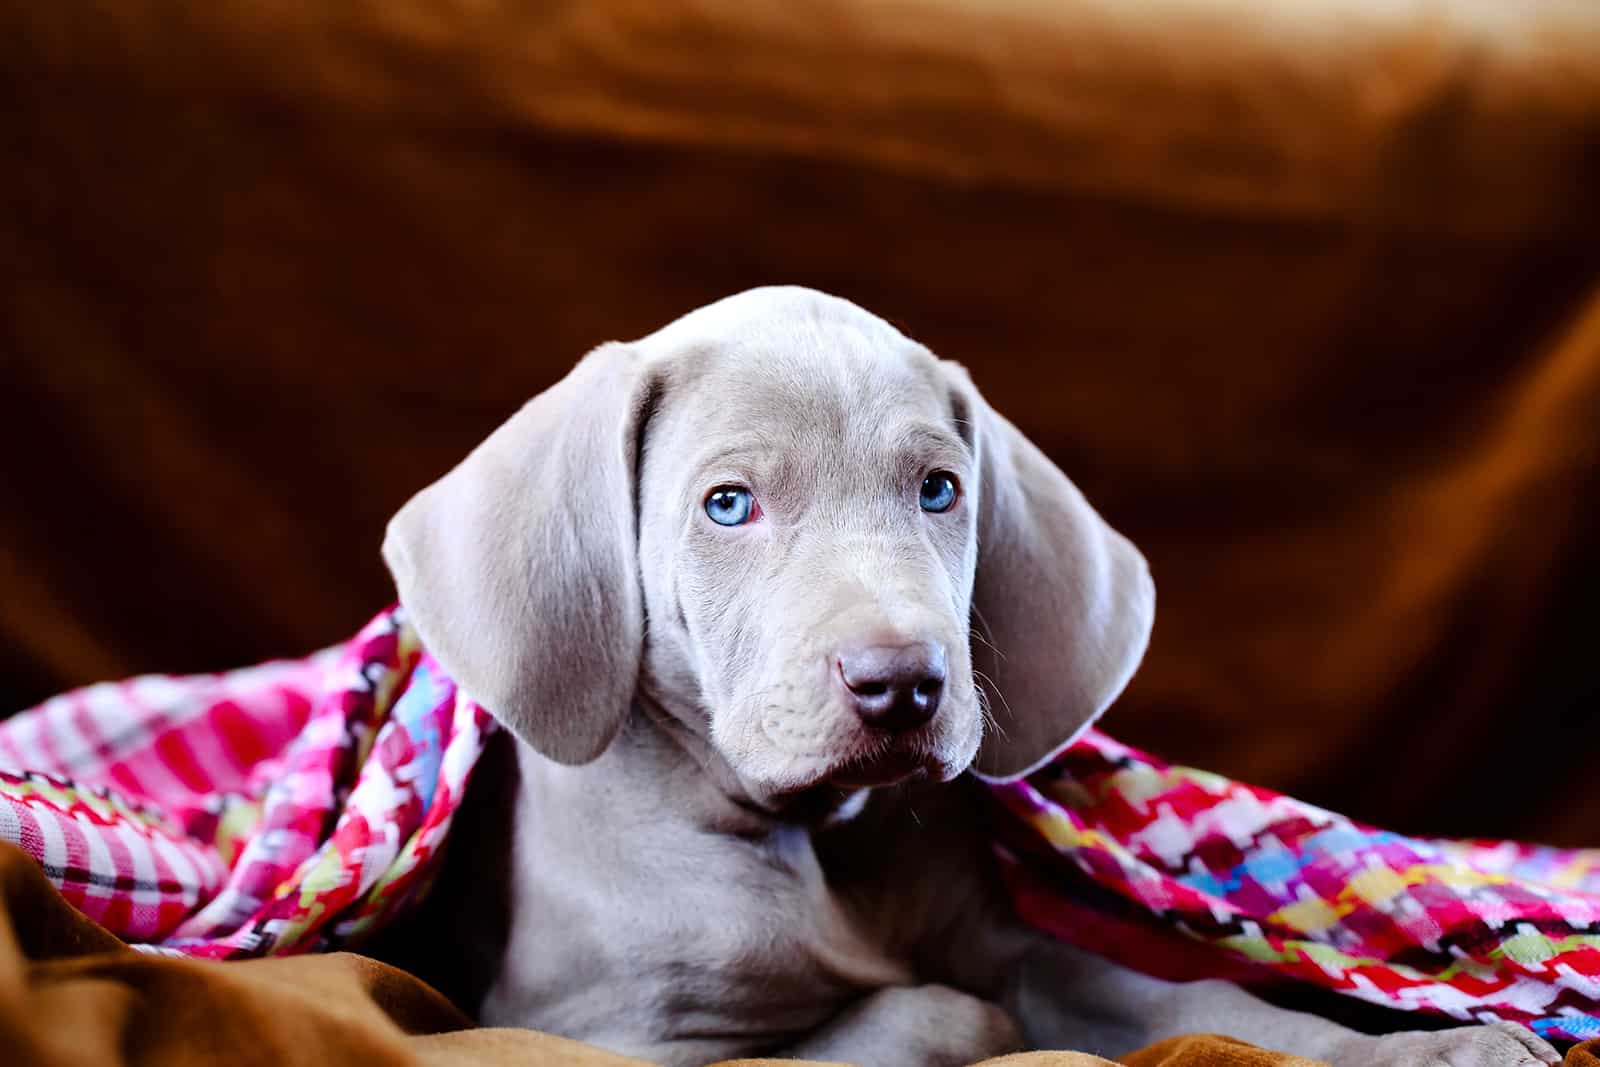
(280,808)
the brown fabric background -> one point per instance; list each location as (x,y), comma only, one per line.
(1307,300)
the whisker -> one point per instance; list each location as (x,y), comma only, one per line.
(983,630)
(988,712)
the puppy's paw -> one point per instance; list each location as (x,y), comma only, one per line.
(914,1026)
(1495,1045)
(941,1026)
(990,1028)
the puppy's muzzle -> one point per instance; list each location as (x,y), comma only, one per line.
(893,687)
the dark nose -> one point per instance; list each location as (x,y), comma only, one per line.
(894,687)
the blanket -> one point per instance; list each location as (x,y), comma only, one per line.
(286,808)
(297,806)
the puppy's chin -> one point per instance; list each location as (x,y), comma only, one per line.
(820,805)
(888,769)
(831,795)
(841,760)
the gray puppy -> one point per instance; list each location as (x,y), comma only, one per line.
(720,584)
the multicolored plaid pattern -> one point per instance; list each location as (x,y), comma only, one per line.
(1188,874)
(294,807)
(284,808)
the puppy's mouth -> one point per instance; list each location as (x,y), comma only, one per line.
(887,769)
(839,790)
(822,803)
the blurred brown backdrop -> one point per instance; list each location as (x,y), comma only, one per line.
(1307,300)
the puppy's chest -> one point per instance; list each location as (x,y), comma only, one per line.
(676,936)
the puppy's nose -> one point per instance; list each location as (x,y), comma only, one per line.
(894,687)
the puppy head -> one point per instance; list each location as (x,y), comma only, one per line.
(814,515)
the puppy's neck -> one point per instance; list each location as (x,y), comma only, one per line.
(650,775)
(652,723)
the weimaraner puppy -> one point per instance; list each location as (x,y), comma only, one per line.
(717,583)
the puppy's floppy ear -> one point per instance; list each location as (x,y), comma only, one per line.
(1063,602)
(519,568)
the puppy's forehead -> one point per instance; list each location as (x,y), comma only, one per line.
(824,379)
(767,316)
(789,357)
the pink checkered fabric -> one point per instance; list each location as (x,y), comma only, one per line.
(282,808)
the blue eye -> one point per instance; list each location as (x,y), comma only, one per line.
(938,492)
(729,505)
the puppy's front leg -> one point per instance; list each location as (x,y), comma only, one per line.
(1072,999)
(913,1026)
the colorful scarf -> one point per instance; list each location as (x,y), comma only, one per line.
(291,807)
(296,806)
